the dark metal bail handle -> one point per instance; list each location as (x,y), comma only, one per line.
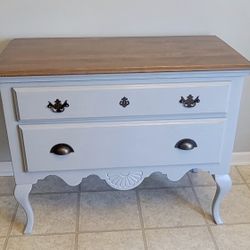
(186,144)
(61,149)
(124,102)
(189,102)
(58,106)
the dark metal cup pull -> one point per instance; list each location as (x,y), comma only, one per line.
(124,102)
(58,106)
(61,149)
(186,144)
(190,102)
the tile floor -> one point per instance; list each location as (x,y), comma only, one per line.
(158,215)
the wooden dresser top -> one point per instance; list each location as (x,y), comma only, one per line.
(74,56)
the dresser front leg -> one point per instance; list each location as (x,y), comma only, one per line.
(224,184)
(21,194)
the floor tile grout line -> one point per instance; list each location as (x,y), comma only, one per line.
(96,191)
(141,220)
(164,187)
(127,230)
(174,227)
(72,233)
(245,182)
(77,219)
(212,237)
(10,227)
(231,224)
(6,195)
(110,231)
(63,192)
(206,219)
(241,177)
(42,234)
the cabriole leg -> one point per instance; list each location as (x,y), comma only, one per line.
(224,185)
(22,196)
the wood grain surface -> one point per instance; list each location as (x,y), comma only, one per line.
(74,56)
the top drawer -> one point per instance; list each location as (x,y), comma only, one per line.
(120,100)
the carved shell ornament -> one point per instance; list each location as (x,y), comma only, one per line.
(125,181)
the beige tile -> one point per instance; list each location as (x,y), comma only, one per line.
(109,210)
(7,185)
(7,210)
(2,240)
(192,238)
(245,172)
(53,184)
(55,242)
(94,183)
(236,178)
(201,178)
(170,207)
(158,180)
(232,237)
(235,206)
(125,240)
(54,213)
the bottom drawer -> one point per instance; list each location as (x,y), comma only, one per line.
(117,145)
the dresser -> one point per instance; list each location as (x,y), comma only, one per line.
(121,109)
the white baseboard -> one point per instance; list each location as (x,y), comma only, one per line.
(6,169)
(238,158)
(241,158)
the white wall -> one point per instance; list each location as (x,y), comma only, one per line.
(228,19)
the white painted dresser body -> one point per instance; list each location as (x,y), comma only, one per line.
(105,136)
(121,127)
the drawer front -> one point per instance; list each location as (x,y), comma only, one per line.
(119,145)
(122,100)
